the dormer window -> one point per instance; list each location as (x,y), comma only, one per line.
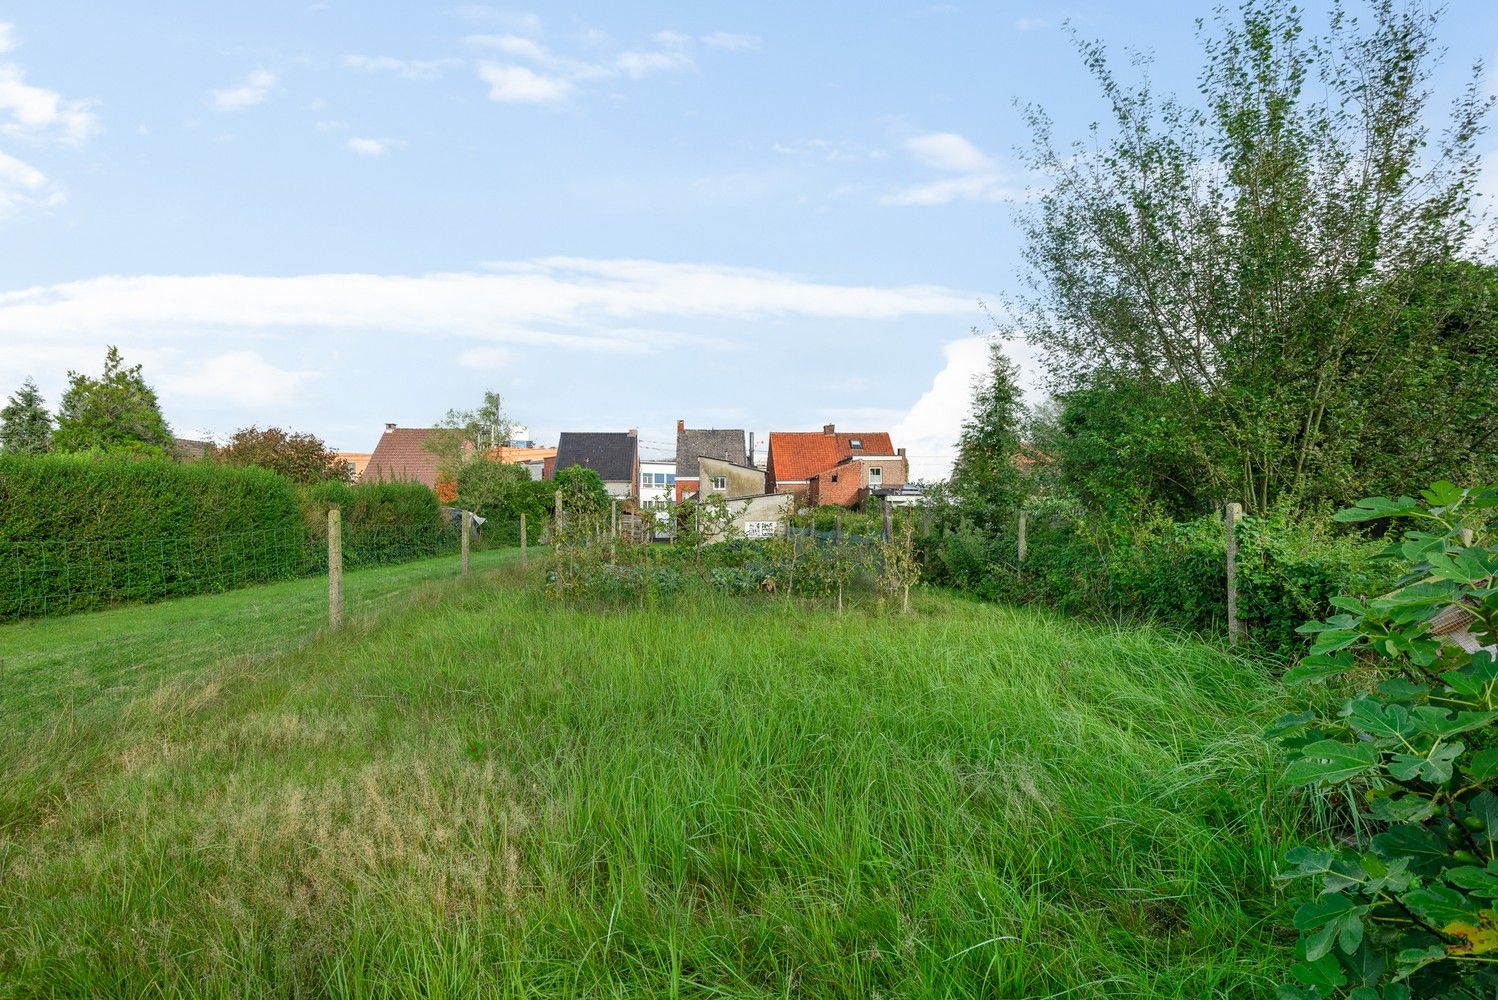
(856,443)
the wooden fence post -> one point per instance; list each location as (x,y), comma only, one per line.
(467,530)
(888,530)
(1233,511)
(837,529)
(1024,548)
(925,520)
(335,568)
(524,556)
(556,521)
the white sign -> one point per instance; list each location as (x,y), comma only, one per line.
(759,529)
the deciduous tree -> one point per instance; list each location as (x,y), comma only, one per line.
(117,411)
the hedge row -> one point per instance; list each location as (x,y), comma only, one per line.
(1169,572)
(83,532)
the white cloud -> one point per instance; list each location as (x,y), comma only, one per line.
(22,185)
(948,151)
(39,113)
(369,147)
(257,86)
(614,306)
(830,150)
(512,45)
(521,85)
(638,65)
(730,41)
(407,69)
(673,39)
(243,378)
(1029,24)
(486,358)
(525,23)
(8,40)
(979,177)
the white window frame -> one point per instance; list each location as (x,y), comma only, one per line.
(876,475)
(720,483)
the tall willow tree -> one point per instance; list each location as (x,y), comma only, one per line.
(1280,259)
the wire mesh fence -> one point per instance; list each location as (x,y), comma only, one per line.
(64,576)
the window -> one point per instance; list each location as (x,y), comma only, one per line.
(645,479)
(660,479)
(834,477)
(720,482)
(876,475)
(856,443)
(670,479)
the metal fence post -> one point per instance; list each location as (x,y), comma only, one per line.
(335,568)
(1235,627)
(467,530)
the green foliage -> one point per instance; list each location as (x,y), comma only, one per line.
(501,492)
(82,532)
(114,412)
(582,491)
(985,479)
(302,458)
(25,425)
(466,436)
(1405,902)
(1167,571)
(383,522)
(1259,295)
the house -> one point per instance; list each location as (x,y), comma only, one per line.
(614,456)
(358,459)
(756,517)
(693,443)
(830,468)
(539,462)
(730,479)
(402,456)
(657,483)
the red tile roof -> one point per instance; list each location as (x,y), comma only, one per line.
(401,455)
(799,455)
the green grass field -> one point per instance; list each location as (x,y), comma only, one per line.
(476,793)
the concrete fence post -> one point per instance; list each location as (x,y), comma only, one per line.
(1233,512)
(335,568)
(524,555)
(467,530)
(1024,546)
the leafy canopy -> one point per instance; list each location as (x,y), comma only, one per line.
(302,458)
(25,425)
(1274,268)
(116,412)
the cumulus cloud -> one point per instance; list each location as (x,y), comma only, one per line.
(369,147)
(406,69)
(22,185)
(255,88)
(977,176)
(510,84)
(929,429)
(34,112)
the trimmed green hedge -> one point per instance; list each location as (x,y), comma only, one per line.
(80,532)
(84,532)
(1169,572)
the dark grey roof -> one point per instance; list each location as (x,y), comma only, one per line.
(694,443)
(611,455)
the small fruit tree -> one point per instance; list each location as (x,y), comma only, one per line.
(1405,898)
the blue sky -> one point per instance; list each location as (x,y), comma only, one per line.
(330,215)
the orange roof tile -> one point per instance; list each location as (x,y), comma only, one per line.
(799,455)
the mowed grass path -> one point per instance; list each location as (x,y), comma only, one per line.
(483,794)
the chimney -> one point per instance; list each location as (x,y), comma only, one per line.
(751,449)
(390,426)
(634,432)
(681,426)
(829,429)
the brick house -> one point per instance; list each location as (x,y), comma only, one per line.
(693,443)
(827,467)
(402,456)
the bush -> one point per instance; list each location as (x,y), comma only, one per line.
(1173,572)
(84,532)
(384,522)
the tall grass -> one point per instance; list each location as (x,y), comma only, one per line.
(489,795)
